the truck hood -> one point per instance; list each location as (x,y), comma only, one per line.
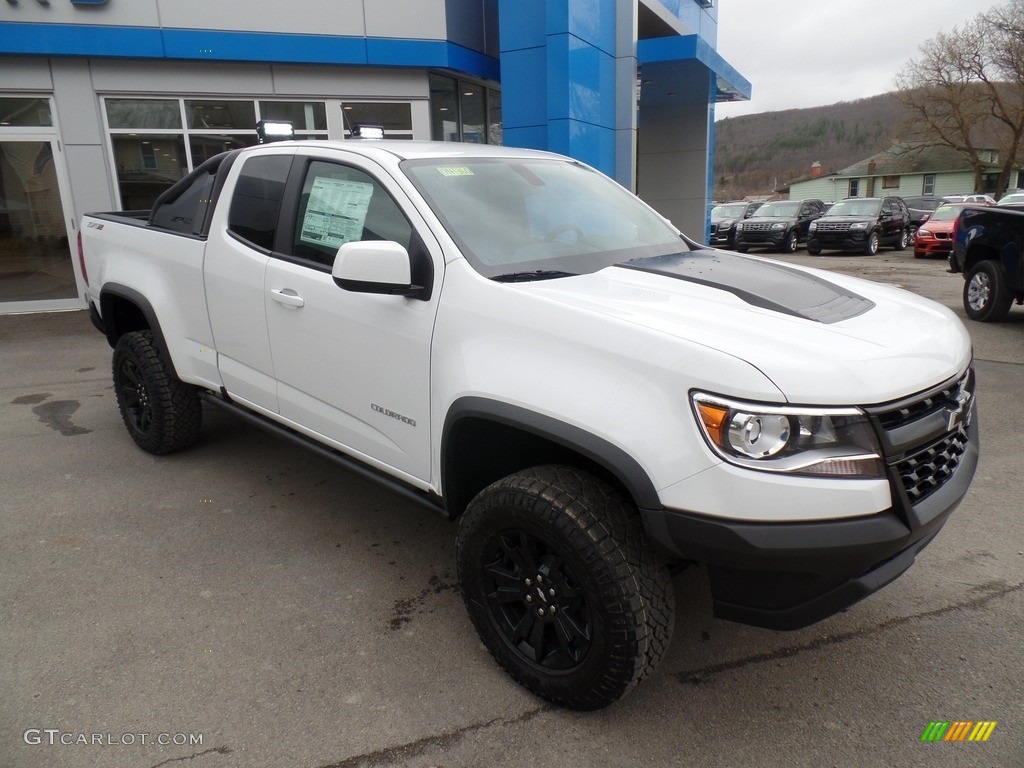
(821,338)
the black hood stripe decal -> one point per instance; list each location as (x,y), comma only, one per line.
(775,287)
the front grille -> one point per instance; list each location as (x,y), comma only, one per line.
(833,226)
(926,471)
(925,437)
(757,227)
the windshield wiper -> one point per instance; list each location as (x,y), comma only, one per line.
(537,274)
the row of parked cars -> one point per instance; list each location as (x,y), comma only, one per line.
(857,224)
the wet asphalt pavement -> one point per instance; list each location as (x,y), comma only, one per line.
(245,603)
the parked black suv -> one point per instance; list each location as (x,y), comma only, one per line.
(861,224)
(724,217)
(781,224)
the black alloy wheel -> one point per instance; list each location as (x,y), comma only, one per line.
(563,587)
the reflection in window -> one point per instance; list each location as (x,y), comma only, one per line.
(204,147)
(471,100)
(25,112)
(303,115)
(146,166)
(464,111)
(143,113)
(221,114)
(394,117)
(444,109)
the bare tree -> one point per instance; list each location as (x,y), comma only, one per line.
(966,90)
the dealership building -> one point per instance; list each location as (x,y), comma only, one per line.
(105,103)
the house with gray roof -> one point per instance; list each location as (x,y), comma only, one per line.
(904,170)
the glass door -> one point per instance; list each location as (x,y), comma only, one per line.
(36,264)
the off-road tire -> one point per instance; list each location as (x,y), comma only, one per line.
(563,587)
(986,296)
(162,414)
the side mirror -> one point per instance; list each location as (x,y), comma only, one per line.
(375,266)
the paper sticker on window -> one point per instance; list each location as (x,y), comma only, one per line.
(454,171)
(336,212)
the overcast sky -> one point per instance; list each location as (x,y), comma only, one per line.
(809,53)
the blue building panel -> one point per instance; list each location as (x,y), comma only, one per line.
(523,24)
(581,78)
(591,144)
(79,40)
(524,85)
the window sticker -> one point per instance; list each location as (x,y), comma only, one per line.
(336,212)
(449,170)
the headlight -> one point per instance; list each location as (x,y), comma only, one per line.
(739,227)
(824,442)
(778,225)
(924,233)
(813,226)
(859,225)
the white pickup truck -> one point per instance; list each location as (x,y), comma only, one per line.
(512,339)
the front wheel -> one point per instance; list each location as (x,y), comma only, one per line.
(162,413)
(986,297)
(792,240)
(813,250)
(871,246)
(563,587)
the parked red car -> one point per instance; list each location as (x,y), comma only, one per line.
(934,236)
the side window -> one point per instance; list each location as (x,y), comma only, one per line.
(256,202)
(339,205)
(183,208)
(887,208)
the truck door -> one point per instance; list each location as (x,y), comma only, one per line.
(241,239)
(351,367)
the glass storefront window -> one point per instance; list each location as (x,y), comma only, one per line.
(394,117)
(143,113)
(35,262)
(25,112)
(471,101)
(205,147)
(221,114)
(303,115)
(464,111)
(444,109)
(146,166)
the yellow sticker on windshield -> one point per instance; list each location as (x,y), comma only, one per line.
(449,170)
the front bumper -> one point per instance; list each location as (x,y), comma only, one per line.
(789,575)
(932,247)
(847,241)
(772,238)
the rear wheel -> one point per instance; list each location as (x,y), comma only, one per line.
(563,587)
(901,243)
(986,297)
(162,413)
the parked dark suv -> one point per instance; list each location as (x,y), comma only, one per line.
(921,208)
(861,224)
(723,221)
(780,225)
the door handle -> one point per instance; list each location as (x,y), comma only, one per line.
(287,296)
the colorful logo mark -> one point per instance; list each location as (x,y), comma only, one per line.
(958,730)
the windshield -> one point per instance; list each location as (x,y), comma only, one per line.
(731,211)
(516,218)
(779,209)
(945,213)
(855,208)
